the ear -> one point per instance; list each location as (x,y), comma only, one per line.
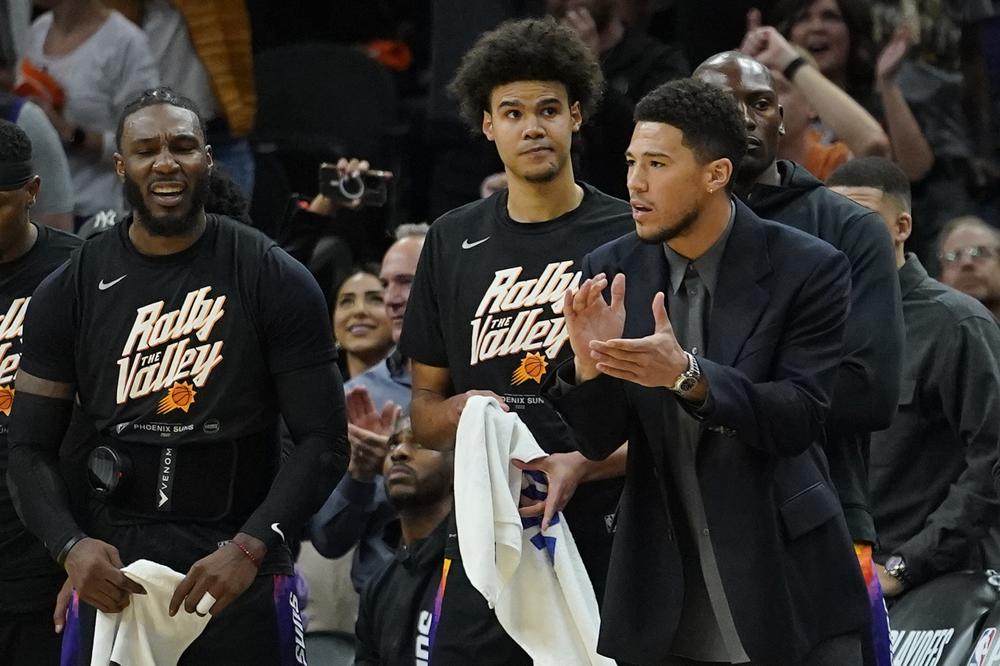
(488,125)
(577,115)
(781,127)
(32,187)
(718,174)
(904,226)
(119,165)
(209,157)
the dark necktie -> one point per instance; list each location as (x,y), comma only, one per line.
(694,293)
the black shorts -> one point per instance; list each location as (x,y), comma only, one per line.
(29,639)
(262,627)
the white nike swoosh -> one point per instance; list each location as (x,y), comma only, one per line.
(274,526)
(467,245)
(102,285)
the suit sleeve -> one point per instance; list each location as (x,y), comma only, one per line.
(596,410)
(965,376)
(343,520)
(786,415)
(867,389)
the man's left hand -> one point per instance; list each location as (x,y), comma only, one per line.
(225,575)
(655,360)
(891,586)
(564,472)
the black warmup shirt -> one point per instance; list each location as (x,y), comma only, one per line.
(173,359)
(401,622)
(29,578)
(486,303)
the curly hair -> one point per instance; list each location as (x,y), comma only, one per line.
(861,52)
(15,146)
(152,97)
(526,50)
(710,122)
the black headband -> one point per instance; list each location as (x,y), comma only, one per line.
(13,175)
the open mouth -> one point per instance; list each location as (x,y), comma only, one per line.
(168,193)
(360,329)
(639,209)
(817,46)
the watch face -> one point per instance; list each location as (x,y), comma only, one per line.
(894,564)
(688,384)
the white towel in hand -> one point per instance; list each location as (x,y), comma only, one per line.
(536,582)
(144,633)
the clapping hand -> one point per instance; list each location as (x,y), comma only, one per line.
(590,318)
(655,360)
(368,433)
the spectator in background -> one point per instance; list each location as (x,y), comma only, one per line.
(804,91)
(918,104)
(930,474)
(202,50)
(54,206)
(360,324)
(633,63)
(423,606)
(358,512)
(100,61)
(969,254)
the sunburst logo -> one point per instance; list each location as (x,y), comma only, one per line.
(6,399)
(179,396)
(532,367)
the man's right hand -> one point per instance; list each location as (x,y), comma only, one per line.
(368,452)
(589,317)
(94,569)
(456,404)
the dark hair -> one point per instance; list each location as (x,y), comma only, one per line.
(152,97)
(711,124)
(526,50)
(877,172)
(225,197)
(15,146)
(861,52)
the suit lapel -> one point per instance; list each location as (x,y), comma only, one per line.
(739,301)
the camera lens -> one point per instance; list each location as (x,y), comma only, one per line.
(352,188)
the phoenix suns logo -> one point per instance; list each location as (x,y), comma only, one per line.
(165,348)
(514,318)
(10,333)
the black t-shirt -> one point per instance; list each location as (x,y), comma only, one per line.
(174,352)
(26,569)
(486,304)
(399,621)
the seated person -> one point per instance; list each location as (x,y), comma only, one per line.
(930,475)
(360,323)
(423,607)
(358,512)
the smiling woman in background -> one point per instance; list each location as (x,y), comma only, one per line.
(360,323)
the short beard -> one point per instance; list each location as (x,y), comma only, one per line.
(171,225)
(669,233)
(547,176)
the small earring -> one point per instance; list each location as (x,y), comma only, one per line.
(781,130)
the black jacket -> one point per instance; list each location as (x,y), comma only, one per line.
(867,388)
(783,551)
(398,622)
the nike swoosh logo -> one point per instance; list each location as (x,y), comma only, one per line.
(102,285)
(274,526)
(466,245)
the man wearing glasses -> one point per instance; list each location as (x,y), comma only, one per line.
(970,260)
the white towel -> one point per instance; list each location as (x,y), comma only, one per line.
(144,633)
(536,582)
